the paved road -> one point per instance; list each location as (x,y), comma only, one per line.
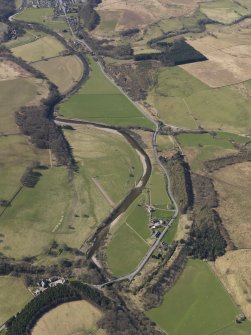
(131,275)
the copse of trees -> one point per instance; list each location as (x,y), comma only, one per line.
(181,182)
(44,133)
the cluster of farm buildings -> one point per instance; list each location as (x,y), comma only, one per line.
(44,284)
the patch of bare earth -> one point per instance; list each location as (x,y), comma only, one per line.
(234,271)
(227,50)
(10,70)
(233,184)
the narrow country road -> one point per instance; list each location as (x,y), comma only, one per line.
(145,259)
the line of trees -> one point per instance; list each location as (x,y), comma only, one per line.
(89,15)
(181,182)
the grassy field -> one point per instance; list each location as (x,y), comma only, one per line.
(159,196)
(108,169)
(107,157)
(43,16)
(125,250)
(77,317)
(64,71)
(29,225)
(38,15)
(198,304)
(224,11)
(202,147)
(100,101)
(13,297)
(178,97)
(42,48)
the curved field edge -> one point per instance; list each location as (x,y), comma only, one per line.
(77,317)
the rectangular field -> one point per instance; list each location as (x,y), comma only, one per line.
(198,304)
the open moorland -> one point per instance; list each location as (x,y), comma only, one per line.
(78,317)
(233,184)
(227,50)
(63,71)
(13,297)
(100,101)
(178,98)
(129,14)
(43,48)
(205,300)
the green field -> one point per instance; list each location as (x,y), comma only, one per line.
(42,48)
(42,16)
(13,297)
(100,101)
(179,98)
(38,15)
(198,304)
(159,196)
(125,250)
